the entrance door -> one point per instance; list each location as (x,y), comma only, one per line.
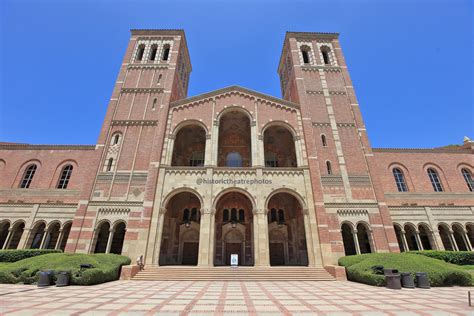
(277,254)
(190,253)
(233,248)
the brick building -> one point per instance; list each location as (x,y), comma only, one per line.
(190,180)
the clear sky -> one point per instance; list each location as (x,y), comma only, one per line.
(411,61)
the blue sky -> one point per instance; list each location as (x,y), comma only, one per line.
(411,61)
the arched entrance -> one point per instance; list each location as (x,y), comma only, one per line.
(233,229)
(52,236)
(426,237)
(234,140)
(348,239)
(181,226)
(470,233)
(102,236)
(16,234)
(65,235)
(118,238)
(36,236)
(399,234)
(445,237)
(279,147)
(189,146)
(286,231)
(410,234)
(4,227)
(365,243)
(459,235)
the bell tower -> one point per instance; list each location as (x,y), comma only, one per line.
(314,74)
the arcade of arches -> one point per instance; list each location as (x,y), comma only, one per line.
(109,239)
(358,239)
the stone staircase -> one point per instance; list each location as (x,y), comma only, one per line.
(190,273)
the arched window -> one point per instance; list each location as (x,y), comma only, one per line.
(273,215)
(324,141)
(325,52)
(28,176)
(305,54)
(400,180)
(281,216)
(197,159)
(186,215)
(328,167)
(271,160)
(435,181)
(233,215)
(225,217)
(153,106)
(116,139)
(234,159)
(159,79)
(141,50)
(468,177)
(241,215)
(166,52)
(65,176)
(110,164)
(194,216)
(153,50)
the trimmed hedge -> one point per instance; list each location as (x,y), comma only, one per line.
(106,267)
(14,255)
(462,258)
(360,268)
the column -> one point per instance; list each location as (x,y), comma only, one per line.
(58,242)
(466,240)
(204,237)
(161,217)
(262,255)
(404,241)
(7,240)
(212,237)
(109,241)
(453,240)
(208,151)
(253,140)
(419,244)
(356,241)
(312,261)
(43,239)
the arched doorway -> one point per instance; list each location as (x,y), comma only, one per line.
(4,227)
(445,237)
(118,238)
(102,237)
(286,231)
(36,235)
(399,234)
(16,234)
(233,229)
(279,147)
(181,227)
(189,146)
(234,140)
(65,235)
(365,243)
(458,234)
(410,234)
(426,237)
(52,236)
(348,239)
(470,233)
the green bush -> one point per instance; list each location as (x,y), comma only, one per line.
(359,268)
(462,258)
(105,268)
(14,255)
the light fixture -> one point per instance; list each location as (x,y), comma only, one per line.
(234,224)
(187,224)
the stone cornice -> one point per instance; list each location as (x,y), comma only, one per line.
(50,205)
(325,68)
(142,90)
(115,203)
(351,205)
(236,90)
(134,123)
(148,66)
(14,146)
(422,150)
(432,196)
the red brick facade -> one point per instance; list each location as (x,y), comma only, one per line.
(311,146)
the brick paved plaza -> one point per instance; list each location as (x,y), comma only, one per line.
(231,298)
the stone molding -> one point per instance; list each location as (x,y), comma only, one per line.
(142,90)
(324,68)
(134,122)
(148,66)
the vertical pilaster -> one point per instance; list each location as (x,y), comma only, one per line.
(109,240)
(204,237)
(262,255)
(356,241)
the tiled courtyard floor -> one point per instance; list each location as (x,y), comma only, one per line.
(231,298)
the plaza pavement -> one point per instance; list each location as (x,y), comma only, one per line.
(231,298)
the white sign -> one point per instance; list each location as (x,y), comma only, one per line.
(234,260)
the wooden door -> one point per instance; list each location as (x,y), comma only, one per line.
(190,253)
(277,254)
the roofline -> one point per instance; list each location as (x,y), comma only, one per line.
(14,146)
(232,88)
(179,32)
(308,35)
(422,150)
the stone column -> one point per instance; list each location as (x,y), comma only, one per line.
(58,242)
(299,157)
(109,240)
(161,217)
(419,244)
(212,237)
(208,151)
(453,240)
(356,241)
(404,241)
(254,139)
(438,243)
(309,238)
(204,237)
(43,239)
(261,251)
(7,240)
(215,143)
(466,240)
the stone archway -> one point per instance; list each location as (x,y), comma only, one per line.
(118,238)
(17,232)
(102,237)
(234,148)
(4,232)
(286,231)
(279,147)
(364,237)
(411,237)
(426,237)
(189,146)
(52,236)
(348,239)
(233,229)
(35,239)
(400,235)
(459,237)
(181,229)
(445,234)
